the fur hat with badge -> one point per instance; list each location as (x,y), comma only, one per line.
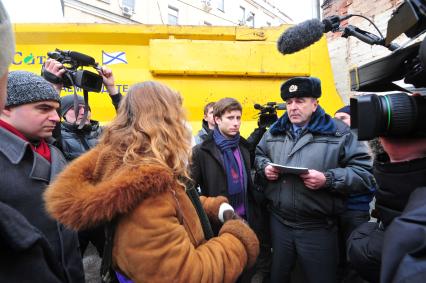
(301,87)
(26,87)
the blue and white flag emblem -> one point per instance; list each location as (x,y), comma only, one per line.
(110,58)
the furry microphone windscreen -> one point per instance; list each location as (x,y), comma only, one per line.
(300,36)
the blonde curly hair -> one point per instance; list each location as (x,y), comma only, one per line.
(150,128)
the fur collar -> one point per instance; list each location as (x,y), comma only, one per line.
(79,199)
(320,123)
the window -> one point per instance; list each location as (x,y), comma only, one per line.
(250,19)
(128,3)
(220,4)
(173,14)
(242,15)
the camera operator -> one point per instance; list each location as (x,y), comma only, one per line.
(403,256)
(75,141)
(380,251)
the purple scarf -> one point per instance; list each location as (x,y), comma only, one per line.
(234,179)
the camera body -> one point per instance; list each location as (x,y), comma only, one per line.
(72,61)
(397,114)
(268,113)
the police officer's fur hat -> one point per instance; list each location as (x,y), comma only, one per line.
(301,87)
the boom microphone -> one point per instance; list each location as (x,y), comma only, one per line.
(302,35)
(82,59)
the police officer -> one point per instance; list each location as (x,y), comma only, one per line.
(304,207)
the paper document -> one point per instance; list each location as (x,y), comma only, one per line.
(289,169)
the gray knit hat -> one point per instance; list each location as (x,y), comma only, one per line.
(67,102)
(25,87)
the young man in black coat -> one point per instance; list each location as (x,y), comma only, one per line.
(221,164)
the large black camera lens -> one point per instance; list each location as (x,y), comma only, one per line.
(396,115)
(88,81)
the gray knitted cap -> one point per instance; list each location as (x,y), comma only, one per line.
(25,87)
(67,102)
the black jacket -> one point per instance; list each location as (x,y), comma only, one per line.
(208,172)
(404,248)
(76,141)
(396,182)
(25,254)
(25,176)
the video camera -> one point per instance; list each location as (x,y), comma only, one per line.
(71,61)
(396,114)
(268,113)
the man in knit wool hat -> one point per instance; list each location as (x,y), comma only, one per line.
(47,251)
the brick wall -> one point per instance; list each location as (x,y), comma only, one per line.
(346,53)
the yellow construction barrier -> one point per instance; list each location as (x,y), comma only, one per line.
(203,63)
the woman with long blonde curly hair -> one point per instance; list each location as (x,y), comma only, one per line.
(134,176)
(150,127)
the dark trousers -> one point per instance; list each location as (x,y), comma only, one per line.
(348,221)
(315,249)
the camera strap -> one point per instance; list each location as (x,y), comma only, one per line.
(76,108)
(86,108)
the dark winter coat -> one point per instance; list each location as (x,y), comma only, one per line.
(25,176)
(25,254)
(326,145)
(404,248)
(364,250)
(396,183)
(208,172)
(76,141)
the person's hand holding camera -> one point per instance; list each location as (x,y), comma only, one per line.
(108,80)
(56,69)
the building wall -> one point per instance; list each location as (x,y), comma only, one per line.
(347,53)
(189,12)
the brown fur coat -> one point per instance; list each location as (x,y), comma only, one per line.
(159,236)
